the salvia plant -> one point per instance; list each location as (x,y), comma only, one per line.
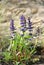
(20,49)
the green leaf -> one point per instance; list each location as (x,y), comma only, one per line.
(7,56)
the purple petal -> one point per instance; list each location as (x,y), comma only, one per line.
(22,18)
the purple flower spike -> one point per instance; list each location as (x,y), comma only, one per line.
(12,28)
(30,28)
(30,25)
(23,23)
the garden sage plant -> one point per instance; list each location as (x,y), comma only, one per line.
(20,49)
